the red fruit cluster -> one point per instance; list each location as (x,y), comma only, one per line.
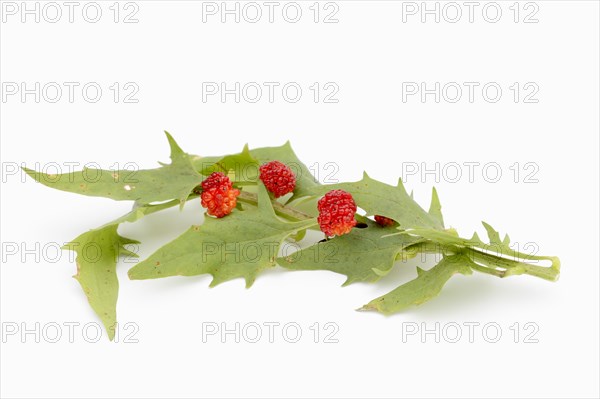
(218,195)
(383,221)
(277,178)
(336,213)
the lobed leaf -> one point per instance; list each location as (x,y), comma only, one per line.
(426,286)
(173,181)
(240,245)
(378,198)
(98,251)
(97,254)
(364,254)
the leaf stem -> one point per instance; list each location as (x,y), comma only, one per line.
(280,209)
(514,267)
(489,263)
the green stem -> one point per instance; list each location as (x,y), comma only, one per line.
(490,263)
(252,199)
(282,210)
(165,205)
(514,267)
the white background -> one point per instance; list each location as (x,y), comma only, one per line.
(368,54)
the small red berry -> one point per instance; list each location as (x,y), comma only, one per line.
(336,213)
(383,221)
(218,195)
(278,178)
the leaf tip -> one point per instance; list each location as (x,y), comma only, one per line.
(214,282)
(133,274)
(367,308)
(250,282)
(435,198)
(34,174)
(175,149)
(111,332)
(400,185)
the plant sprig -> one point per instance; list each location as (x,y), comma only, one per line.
(257,218)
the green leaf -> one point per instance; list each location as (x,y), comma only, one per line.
(97,254)
(243,165)
(241,244)
(98,251)
(378,198)
(364,254)
(258,156)
(426,286)
(435,209)
(173,181)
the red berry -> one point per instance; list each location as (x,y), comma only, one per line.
(336,213)
(383,221)
(278,178)
(218,196)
